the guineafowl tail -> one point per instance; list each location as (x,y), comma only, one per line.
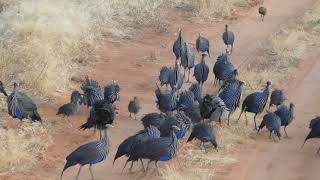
(190,137)
(36,116)
(304,143)
(66,166)
(118,154)
(86,125)
(308,137)
(214,143)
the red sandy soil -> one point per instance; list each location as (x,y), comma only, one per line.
(129,63)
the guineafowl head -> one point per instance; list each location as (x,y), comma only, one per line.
(2,89)
(241,84)
(76,97)
(135,98)
(180,32)
(291,106)
(226,27)
(268,85)
(235,72)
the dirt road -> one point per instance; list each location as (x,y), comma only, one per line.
(129,64)
(265,159)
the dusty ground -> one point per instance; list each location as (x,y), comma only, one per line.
(130,63)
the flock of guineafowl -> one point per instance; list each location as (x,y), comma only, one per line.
(181,110)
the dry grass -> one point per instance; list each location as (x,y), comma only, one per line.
(20,148)
(282,57)
(215,9)
(312,17)
(195,163)
(42,41)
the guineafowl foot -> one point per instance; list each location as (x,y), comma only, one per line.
(157,168)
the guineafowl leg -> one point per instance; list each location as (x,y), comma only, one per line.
(147,168)
(270,134)
(200,144)
(255,122)
(157,168)
(228,117)
(69,122)
(91,173)
(130,116)
(144,170)
(124,166)
(274,134)
(77,176)
(239,116)
(130,169)
(285,132)
(135,116)
(100,134)
(231,48)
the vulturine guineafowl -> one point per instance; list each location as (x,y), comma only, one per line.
(186,100)
(203,45)
(90,153)
(205,133)
(176,78)
(194,113)
(196,90)
(101,114)
(286,115)
(178,46)
(134,107)
(128,144)
(255,103)
(228,37)
(112,92)
(153,119)
(212,107)
(187,60)
(223,69)
(314,132)
(277,98)
(273,124)
(201,71)
(160,149)
(92,91)
(262,11)
(20,105)
(167,102)
(164,76)
(180,120)
(72,107)
(231,95)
